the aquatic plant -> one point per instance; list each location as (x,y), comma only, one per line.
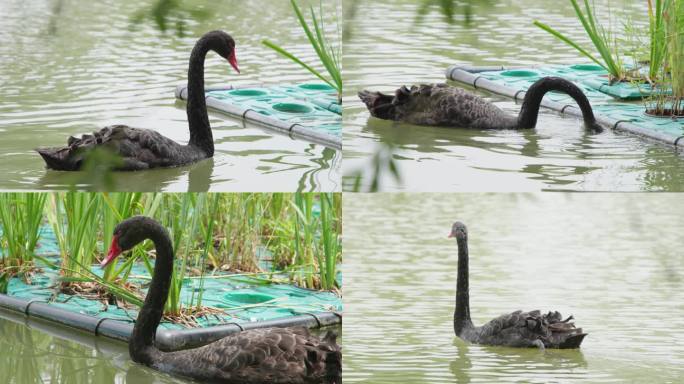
(668,83)
(316,241)
(383,164)
(603,39)
(657,37)
(181,215)
(239,230)
(328,53)
(674,21)
(331,209)
(21,217)
(98,170)
(4,282)
(74,219)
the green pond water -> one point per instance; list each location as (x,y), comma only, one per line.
(391,43)
(69,67)
(620,274)
(38,352)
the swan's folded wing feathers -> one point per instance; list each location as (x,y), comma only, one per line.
(526,324)
(275,355)
(142,145)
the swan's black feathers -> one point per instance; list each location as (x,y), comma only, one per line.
(443,105)
(138,148)
(523,329)
(436,104)
(269,355)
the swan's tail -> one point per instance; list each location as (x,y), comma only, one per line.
(379,105)
(572,341)
(59,158)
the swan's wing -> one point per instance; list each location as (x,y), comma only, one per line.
(523,329)
(143,146)
(139,148)
(264,355)
(443,105)
(504,323)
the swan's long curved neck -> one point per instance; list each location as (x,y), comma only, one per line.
(141,346)
(462,312)
(198,119)
(533,98)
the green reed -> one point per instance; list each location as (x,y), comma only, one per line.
(603,39)
(21,217)
(657,33)
(181,215)
(674,21)
(332,247)
(74,219)
(246,217)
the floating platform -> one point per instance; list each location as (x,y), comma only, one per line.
(306,111)
(248,302)
(619,115)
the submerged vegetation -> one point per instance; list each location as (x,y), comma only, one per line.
(328,52)
(212,234)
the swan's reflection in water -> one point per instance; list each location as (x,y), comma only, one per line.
(478,360)
(189,178)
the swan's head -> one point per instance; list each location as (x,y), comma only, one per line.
(127,235)
(223,44)
(459,231)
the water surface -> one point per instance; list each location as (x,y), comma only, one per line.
(390,43)
(614,261)
(69,67)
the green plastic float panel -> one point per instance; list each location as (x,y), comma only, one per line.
(592,79)
(243,298)
(309,111)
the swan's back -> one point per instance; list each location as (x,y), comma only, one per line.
(437,105)
(523,329)
(270,355)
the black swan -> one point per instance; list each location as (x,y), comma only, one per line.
(517,329)
(144,148)
(443,105)
(267,355)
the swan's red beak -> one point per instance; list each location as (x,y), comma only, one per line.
(451,235)
(114,251)
(233,62)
